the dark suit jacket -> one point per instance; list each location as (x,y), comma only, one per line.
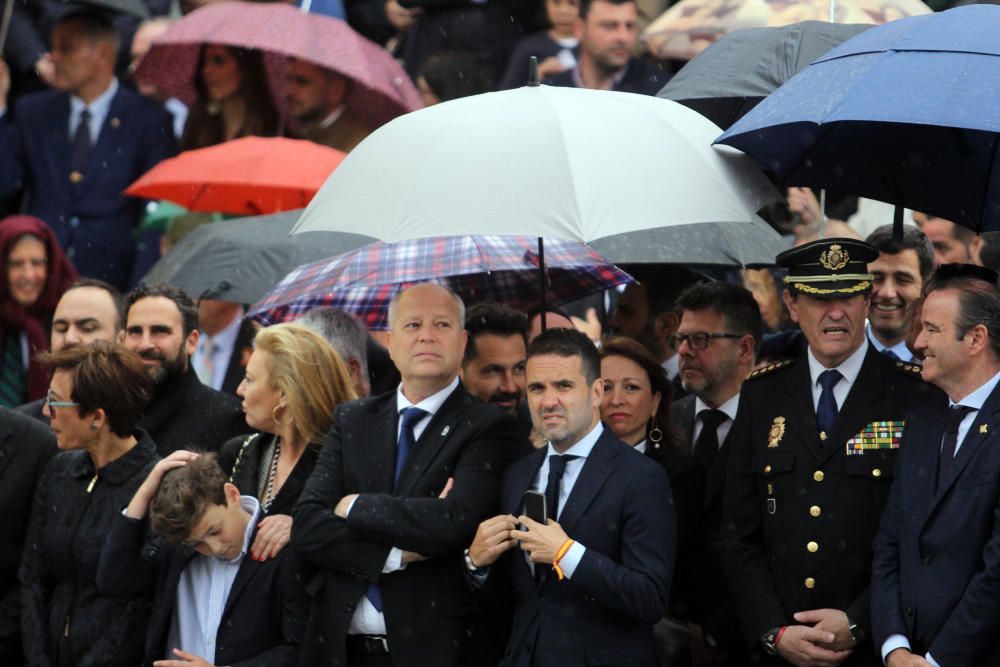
(799,513)
(707,596)
(343,134)
(427,606)
(25,448)
(639,78)
(186,414)
(33,410)
(264,615)
(94,222)
(242,468)
(237,361)
(936,576)
(621,510)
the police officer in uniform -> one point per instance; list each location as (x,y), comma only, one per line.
(811,463)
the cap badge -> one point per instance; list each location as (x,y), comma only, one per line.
(835,258)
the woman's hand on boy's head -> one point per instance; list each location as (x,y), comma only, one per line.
(144,495)
(186,660)
(273,534)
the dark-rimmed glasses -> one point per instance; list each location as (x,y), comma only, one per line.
(699,340)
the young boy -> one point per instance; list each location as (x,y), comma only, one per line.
(213,605)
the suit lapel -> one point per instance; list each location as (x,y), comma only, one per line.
(110,128)
(520,478)
(927,451)
(801,417)
(380,441)
(983,428)
(861,404)
(58,136)
(441,427)
(599,464)
(7,446)
(249,568)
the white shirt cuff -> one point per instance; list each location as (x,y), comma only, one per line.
(394,562)
(571,559)
(892,643)
(931,660)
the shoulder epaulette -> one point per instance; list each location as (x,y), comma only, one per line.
(768,369)
(908,368)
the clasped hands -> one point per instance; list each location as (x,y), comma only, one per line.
(495,536)
(823,640)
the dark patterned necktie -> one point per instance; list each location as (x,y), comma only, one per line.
(950,440)
(826,411)
(706,447)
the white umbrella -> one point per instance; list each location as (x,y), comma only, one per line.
(634,177)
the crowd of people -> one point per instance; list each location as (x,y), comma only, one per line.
(706,468)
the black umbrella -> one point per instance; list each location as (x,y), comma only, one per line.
(731,76)
(135,7)
(240,260)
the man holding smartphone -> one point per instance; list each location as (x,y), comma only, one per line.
(590,582)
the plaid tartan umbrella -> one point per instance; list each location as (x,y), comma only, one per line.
(498,268)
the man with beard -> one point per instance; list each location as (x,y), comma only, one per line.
(607,32)
(89,310)
(900,271)
(716,340)
(162,327)
(493,367)
(316,99)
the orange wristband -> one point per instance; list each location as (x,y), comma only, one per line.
(559,554)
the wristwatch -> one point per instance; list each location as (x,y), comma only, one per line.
(857,632)
(769,639)
(470,566)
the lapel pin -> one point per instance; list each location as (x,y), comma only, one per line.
(445,430)
(115,122)
(983,428)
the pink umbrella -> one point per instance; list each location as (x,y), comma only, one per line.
(380,90)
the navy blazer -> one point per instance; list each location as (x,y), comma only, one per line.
(936,573)
(94,222)
(621,510)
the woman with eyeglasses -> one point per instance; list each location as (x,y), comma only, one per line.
(96,397)
(636,406)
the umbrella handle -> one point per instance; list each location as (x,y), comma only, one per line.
(541,272)
(533,81)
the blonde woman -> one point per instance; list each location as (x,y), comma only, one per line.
(294,380)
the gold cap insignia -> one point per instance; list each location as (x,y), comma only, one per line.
(75,177)
(777,432)
(835,258)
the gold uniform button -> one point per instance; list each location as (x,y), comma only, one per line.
(876,472)
(818,475)
(767,468)
(815,510)
(810,583)
(75,177)
(812,547)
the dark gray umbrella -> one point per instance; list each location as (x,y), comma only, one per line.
(240,260)
(736,72)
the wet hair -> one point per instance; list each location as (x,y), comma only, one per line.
(184,495)
(734,302)
(989,252)
(185,304)
(488,317)
(913,239)
(106,376)
(309,372)
(116,297)
(568,343)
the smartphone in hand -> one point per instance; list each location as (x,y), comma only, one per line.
(534,507)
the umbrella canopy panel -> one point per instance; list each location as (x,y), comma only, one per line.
(562,163)
(904,113)
(504,269)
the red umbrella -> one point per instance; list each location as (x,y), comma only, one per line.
(248,176)
(380,90)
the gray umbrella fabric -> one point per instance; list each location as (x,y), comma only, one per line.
(240,260)
(749,244)
(731,76)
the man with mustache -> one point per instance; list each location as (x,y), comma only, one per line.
(162,327)
(900,271)
(812,456)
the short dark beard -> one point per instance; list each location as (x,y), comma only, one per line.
(169,368)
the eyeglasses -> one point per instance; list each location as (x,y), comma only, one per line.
(59,404)
(699,340)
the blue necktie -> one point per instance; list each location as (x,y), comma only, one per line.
(889,353)
(408,418)
(80,155)
(826,411)
(557,467)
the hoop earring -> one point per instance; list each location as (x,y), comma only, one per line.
(275,417)
(655,435)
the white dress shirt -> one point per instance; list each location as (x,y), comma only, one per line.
(899,349)
(672,366)
(849,370)
(975,400)
(729,407)
(224,342)
(367,620)
(202,592)
(99,110)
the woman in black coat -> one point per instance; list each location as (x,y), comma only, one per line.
(294,379)
(97,394)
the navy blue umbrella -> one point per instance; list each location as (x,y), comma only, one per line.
(907,113)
